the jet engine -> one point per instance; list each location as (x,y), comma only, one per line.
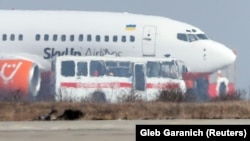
(19,78)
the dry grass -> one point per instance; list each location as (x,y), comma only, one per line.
(167,106)
(24,111)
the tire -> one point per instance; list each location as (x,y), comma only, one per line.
(99,97)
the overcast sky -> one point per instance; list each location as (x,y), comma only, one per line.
(226,21)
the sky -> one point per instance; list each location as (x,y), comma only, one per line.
(226,21)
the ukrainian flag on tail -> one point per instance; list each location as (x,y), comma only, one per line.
(130,27)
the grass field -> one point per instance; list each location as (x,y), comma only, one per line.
(166,107)
(25,111)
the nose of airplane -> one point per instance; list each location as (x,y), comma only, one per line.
(231,56)
(226,56)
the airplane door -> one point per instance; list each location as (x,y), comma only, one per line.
(148,40)
(139,77)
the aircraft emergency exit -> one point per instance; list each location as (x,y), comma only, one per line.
(37,36)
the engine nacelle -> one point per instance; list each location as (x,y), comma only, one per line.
(19,76)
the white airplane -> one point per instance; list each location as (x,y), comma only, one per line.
(29,40)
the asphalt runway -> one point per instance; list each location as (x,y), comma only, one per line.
(105,130)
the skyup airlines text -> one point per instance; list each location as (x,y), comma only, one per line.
(52,52)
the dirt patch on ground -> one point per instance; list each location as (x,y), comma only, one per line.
(27,111)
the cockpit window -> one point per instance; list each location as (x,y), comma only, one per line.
(182,37)
(202,36)
(191,37)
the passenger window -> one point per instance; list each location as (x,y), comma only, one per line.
(124,64)
(72,38)
(153,69)
(20,37)
(115,38)
(174,71)
(82,69)
(97,68)
(54,37)
(38,37)
(4,38)
(89,38)
(98,38)
(123,38)
(118,69)
(63,38)
(46,37)
(12,37)
(166,70)
(80,37)
(169,70)
(124,69)
(68,68)
(132,38)
(182,37)
(106,38)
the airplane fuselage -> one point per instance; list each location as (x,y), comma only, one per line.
(42,35)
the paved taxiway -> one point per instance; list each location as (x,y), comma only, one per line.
(113,130)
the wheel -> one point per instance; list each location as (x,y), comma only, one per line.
(98,97)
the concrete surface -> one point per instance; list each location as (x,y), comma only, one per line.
(105,130)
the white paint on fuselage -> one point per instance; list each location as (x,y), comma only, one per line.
(200,56)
